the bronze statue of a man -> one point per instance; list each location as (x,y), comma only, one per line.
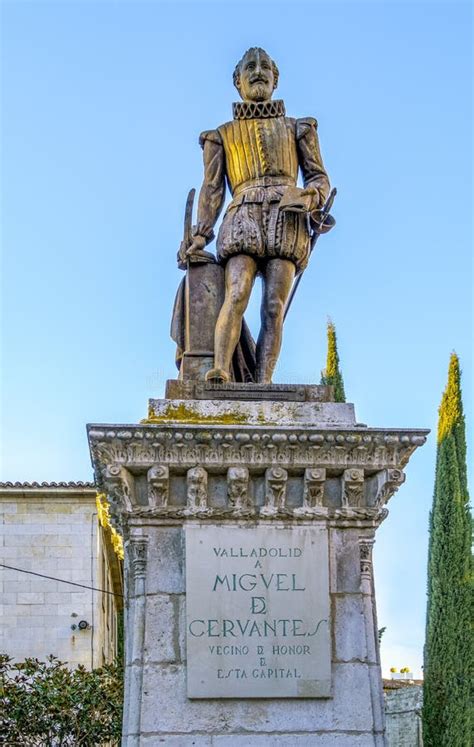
(258,154)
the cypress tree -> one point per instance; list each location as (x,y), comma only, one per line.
(332,374)
(448,718)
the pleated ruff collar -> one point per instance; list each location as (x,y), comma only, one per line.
(258,109)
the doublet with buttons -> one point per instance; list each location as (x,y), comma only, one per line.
(256,148)
(259,155)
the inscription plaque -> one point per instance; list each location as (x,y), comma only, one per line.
(257,612)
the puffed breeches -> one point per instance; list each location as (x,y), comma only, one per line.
(263,231)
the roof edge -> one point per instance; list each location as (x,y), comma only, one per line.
(63,485)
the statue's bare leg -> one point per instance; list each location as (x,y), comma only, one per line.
(240,272)
(277,281)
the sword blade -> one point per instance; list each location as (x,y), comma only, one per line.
(188,218)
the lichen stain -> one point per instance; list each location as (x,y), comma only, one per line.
(183,414)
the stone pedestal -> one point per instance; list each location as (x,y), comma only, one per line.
(248,529)
(203,298)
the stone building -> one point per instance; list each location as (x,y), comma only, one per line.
(58,530)
(403,702)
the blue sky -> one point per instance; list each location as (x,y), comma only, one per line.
(102,104)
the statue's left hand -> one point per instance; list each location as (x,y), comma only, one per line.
(199,242)
(315,200)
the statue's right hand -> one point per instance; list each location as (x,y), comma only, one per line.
(199,242)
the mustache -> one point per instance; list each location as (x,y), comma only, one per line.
(258,79)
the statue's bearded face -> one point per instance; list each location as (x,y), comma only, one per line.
(257,80)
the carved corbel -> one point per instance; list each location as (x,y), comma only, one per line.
(119,485)
(352,488)
(196,490)
(275,490)
(313,487)
(313,492)
(389,480)
(238,489)
(158,486)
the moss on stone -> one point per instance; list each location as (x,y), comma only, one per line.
(181,413)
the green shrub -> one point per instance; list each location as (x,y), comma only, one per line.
(46,703)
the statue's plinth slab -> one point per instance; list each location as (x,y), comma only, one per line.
(210,470)
(245,412)
(187,389)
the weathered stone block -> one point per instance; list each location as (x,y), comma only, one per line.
(349,629)
(177,740)
(58,597)
(243,412)
(182,627)
(166,708)
(161,627)
(32,597)
(295,740)
(9,598)
(345,560)
(165,561)
(377,697)
(403,713)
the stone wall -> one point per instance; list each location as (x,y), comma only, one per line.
(348,719)
(403,716)
(55,532)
